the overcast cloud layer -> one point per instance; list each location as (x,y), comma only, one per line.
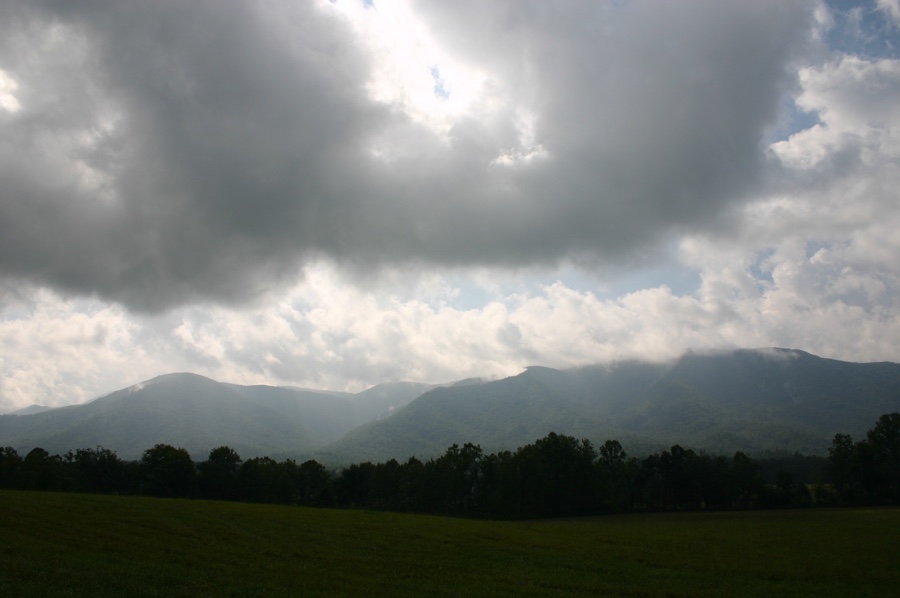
(338,194)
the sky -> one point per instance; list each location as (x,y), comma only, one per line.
(337,194)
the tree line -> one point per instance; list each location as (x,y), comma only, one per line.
(555,476)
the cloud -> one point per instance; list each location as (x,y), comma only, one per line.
(891,8)
(168,154)
(336,195)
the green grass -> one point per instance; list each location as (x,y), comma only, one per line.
(82,545)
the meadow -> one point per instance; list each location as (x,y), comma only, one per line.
(92,545)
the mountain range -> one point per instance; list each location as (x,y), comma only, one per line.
(196,413)
(753,400)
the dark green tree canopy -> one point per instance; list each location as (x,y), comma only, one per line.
(168,471)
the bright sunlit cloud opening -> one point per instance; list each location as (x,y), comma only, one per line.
(411,72)
(8,86)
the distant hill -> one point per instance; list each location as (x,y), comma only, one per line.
(750,400)
(199,414)
(31,409)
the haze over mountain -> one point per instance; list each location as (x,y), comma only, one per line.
(200,414)
(749,400)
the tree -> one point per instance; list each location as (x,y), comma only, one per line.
(884,439)
(499,486)
(680,479)
(98,470)
(787,492)
(314,485)
(168,471)
(612,476)
(219,474)
(412,485)
(352,485)
(453,478)
(41,471)
(870,469)
(747,483)
(684,478)
(262,479)
(385,486)
(10,467)
(842,464)
(557,476)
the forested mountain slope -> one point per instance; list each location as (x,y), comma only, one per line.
(749,400)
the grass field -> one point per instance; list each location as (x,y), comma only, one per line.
(82,545)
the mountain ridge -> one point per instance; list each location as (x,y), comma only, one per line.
(199,414)
(754,400)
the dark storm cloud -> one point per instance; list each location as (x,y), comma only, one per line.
(169,152)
